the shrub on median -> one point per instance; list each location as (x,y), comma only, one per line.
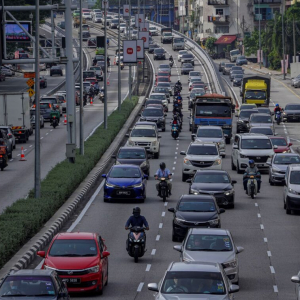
(24,218)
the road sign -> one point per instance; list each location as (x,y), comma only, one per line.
(30,92)
(29,75)
(30,82)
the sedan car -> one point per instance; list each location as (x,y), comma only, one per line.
(213,245)
(227,68)
(214,182)
(188,58)
(295,82)
(196,92)
(282,145)
(263,130)
(33,284)
(162,90)
(194,74)
(279,164)
(194,280)
(80,259)
(291,112)
(265,110)
(186,68)
(244,106)
(56,70)
(165,85)
(152,114)
(182,52)
(237,79)
(92,43)
(133,156)
(159,53)
(152,47)
(125,182)
(260,120)
(194,211)
(241,60)
(164,68)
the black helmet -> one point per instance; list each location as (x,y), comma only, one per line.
(175,118)
(162,165)
(136,211)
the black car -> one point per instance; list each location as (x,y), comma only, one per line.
(33,284)
(221,66)
(156,115)
(188,58)
(291,112)
(163,90)
(152,47)
(237,79)
(195,211)
(133,156)
(214,182)
(159,53)
(8,144)
(243,120)
(56,70)
(43,82)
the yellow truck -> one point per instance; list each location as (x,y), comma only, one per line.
(255,89)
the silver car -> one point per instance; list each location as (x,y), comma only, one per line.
(295,82)
(279,164)
(296,279)
(165,68)
(212,245)
(186,68)
(194,280)
(10,135)
(260,120)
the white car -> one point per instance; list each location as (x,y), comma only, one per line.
(97,18)
(182,52)
(159,96)
(200,155)
(153,30)
(43,67)
(193,80)
(291,190)
(193,74)
(146,137)
(134,34)
(87,16)
(122,27)
(96,11)
(251,146)
(10,135)
(7,71)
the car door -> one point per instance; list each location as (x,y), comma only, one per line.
(104,261)
(235,152)
(285,187)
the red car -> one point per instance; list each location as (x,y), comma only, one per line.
(92,80)
(282,145)
(162,79)
(163,74)
(80,259)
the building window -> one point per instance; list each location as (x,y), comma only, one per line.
(266,13)
(222,29)
(219,11)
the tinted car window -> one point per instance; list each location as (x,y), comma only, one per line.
(198,242)
(202,150)
(246,113)
(261,119)
(292,107)
(199,206)
(159,50)
(131,154)
(140,132)
(295,177)
(209,133)
(125,172)
(266,131)
(152,113)
(256,144)
(279,142)
(211,178)
(286,159)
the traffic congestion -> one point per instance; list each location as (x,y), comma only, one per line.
(201,198)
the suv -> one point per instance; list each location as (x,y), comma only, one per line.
(8,144)
(156,115)
(98,72)
(212,134)
(251,146)
(200,155)
(291,190)
(10,134)
(56,70)
(54,100)
(146,137)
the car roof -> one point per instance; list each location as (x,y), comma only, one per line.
(201,143)
(132,148)
(197,197)
(194,266)
(278,137)
(209,127)
(127,166)
(248,104)
(286,154)
(254,135)
(212,231)
(31,272)
(145,123)
(294,167)
(75,236)
(143,127)
(253,109)
(155,94)
(211,171)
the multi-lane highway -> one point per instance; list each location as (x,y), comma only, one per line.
(19,176)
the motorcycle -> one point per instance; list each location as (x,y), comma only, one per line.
(252,186)
(3,158)
(175,131)
(278,117)
(136,242)
(54,122)
(101,96)
(171,63)
(163,188)
(122,65)
(54,118)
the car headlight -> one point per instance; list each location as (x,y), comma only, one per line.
(110,185)
(179,221)
(94,269)
(214,222)
(154,143)
(143,164)
(195,192)
(130,143)
(186,161)
(230,264)
(217,162)
(243,156)
(240,121)
(284,114)
(139,185)
(229,192)
(293,192)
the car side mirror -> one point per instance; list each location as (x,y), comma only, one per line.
(127,134)
(182,153)
(104,175)
(193,136)
(239,249)
(275,147)
(41,254)
(105,254)
(178,248)
(290,144)
(295,279)
(233,288)
(171,210)
(221,211)
(235,146)
(153,287)
(268,163)
(233,182)
(189,180)
(9,136)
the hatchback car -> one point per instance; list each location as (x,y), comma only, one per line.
(214,182)
(282,145)
(212,245)
(56,70)
(291,190)
(37,284)
(159,53)
(80,259)
(194,211)
(188,58)
(279,164)
(125,182)
(133,156)
(237,79)
(194,280)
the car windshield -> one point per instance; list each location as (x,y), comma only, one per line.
(229,66)
(292,107)
(216,110)
(256,144)
(264,110)
(195,73)
(163,79)
(141,132)
(45,105)
(197,206)
(286,159)
(131,154)
(247,113)
(211,178)
(295,177)
(248,106)
(18,286)
(195,79)
(153,113)
(73,248)
(163,66)
(161,90)
(187,65)
(164,84)
(255,95)
(266,131)
(202,150)
(238,76)
(48,100)
(188,282)
(158,97)
(125,172)
(159,50)
(205,242)
(260,119)
(279,142)
(167,34)
(213,133)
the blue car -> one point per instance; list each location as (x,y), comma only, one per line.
(125,182)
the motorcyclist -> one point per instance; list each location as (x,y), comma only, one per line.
(277,108)
(137,219)
(171,58)
(3,151)
(166,173)
(107,41)
(251,170)
(178,83)
(91,92)
(94,61)
(96,87)
(108,61)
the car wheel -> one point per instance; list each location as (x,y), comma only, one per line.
(98,290)
(231,205)
(156,155)
(288,211)
(105,200)
(106,283)
(284,205)
(185,177)
(233,167)
(270,181)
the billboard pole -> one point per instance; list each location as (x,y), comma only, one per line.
(81,113)
(106,65)
(130,70)
(143,77)
(119,64)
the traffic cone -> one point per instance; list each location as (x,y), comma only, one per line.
(91,101)
(107,82)
(65,120)
(22,155)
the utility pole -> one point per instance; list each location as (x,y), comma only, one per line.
(106,65)
(260,56)
(130,68)
(169,14)
(37,145)
(294,39)
(237,17)
(81,113)
(119,60)
(52,32)
(143,77)
(283,44)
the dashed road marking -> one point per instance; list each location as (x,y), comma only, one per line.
(275,288)
(259,215)
(42,137)
(269,253)
(256,204)
(163,214)
(265,240)
(173,168)
(166,203)
(30,146)
(25,150)
(160,225)
(18,154)
(272,269)
(11,160)
(262,227)
(148,268)
(158,237)
(153,251)
(174,162)
(139,289)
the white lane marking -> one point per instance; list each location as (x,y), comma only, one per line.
(148,268)
(42,137)
(259,215)
(269,253)
(256,204)
(275,288)
(175,157)
(11,160)
(175,153)
(153,251)
(25,150)
(173,168)
(51,129)
(166,203)
(272,269)
(160,225)
(174,162)
(163,214)
(139,289)
(176,148)
(86,207)
(47,133)
(265,240)
(158,237)
(262,227)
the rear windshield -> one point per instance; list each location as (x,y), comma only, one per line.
(256,144)
(157,97)
(132,154)
(153,113)
(292,107)
(286,159)
(197,206)
(209,133)
(195,73)
(141,132)
(266,131)
(279,142)
(125,172)
(48,100)
(247,113)
(45,105)
(261,119)
(202,150)
(162,79)
(159,50)
(88,73)
(209,242)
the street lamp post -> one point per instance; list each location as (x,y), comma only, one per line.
(119,60)
(106,65)
(283,45)
(32,44)
(260,56)
(81,113)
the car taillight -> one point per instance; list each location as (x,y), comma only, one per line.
(54,117)
(19,131)
(1,155)
(64,101)
(49,105)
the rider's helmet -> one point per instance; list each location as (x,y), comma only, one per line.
(277,105)
(162,165)
(178,82)
(251,163)
(136,211)
(175,118)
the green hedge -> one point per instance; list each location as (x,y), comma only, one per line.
(24,218)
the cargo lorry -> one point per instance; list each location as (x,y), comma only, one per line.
(15,112)
(166,35)
(255,89)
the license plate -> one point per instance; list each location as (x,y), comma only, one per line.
(123,193)
(260,165)
(294,117)
(72,280)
